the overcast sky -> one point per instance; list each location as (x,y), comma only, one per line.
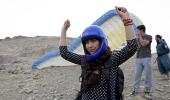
(46,17)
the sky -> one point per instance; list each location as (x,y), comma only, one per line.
(46,17)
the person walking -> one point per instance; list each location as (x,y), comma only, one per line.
(163,60)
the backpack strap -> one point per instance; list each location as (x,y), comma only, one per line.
(119,79)
(166,46)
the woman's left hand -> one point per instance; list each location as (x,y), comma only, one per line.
(122,12)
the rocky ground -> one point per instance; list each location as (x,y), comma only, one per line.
(18,81)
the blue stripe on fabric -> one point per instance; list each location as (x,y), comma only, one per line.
(76,42)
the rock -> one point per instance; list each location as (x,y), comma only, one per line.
(19,81)
(160,90)
(31,98)
(27,90)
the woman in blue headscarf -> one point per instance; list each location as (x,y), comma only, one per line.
(99,64)
(163,60)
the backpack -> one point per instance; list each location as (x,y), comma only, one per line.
(166,46)
(119,84)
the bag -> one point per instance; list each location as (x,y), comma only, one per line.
(162,48)
(119,84)
(165,46)
(118,88)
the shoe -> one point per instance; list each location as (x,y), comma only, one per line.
(148,95)
(163,77)
(168,77)
(134,93)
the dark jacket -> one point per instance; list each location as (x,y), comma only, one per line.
(162,48)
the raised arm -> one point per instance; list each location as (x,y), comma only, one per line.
(145,42)
(67,55)
(129,30)
(63,33)
(131,47)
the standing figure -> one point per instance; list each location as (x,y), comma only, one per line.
(99,65)
(163,60)
(143,61)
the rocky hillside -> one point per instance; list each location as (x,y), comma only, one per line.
(18,81)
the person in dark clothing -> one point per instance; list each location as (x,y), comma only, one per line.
(163,60)
(99,65)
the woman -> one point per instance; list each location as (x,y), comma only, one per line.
(99,65)
(163,60)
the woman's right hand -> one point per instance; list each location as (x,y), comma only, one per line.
(63,33)
(66,25)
